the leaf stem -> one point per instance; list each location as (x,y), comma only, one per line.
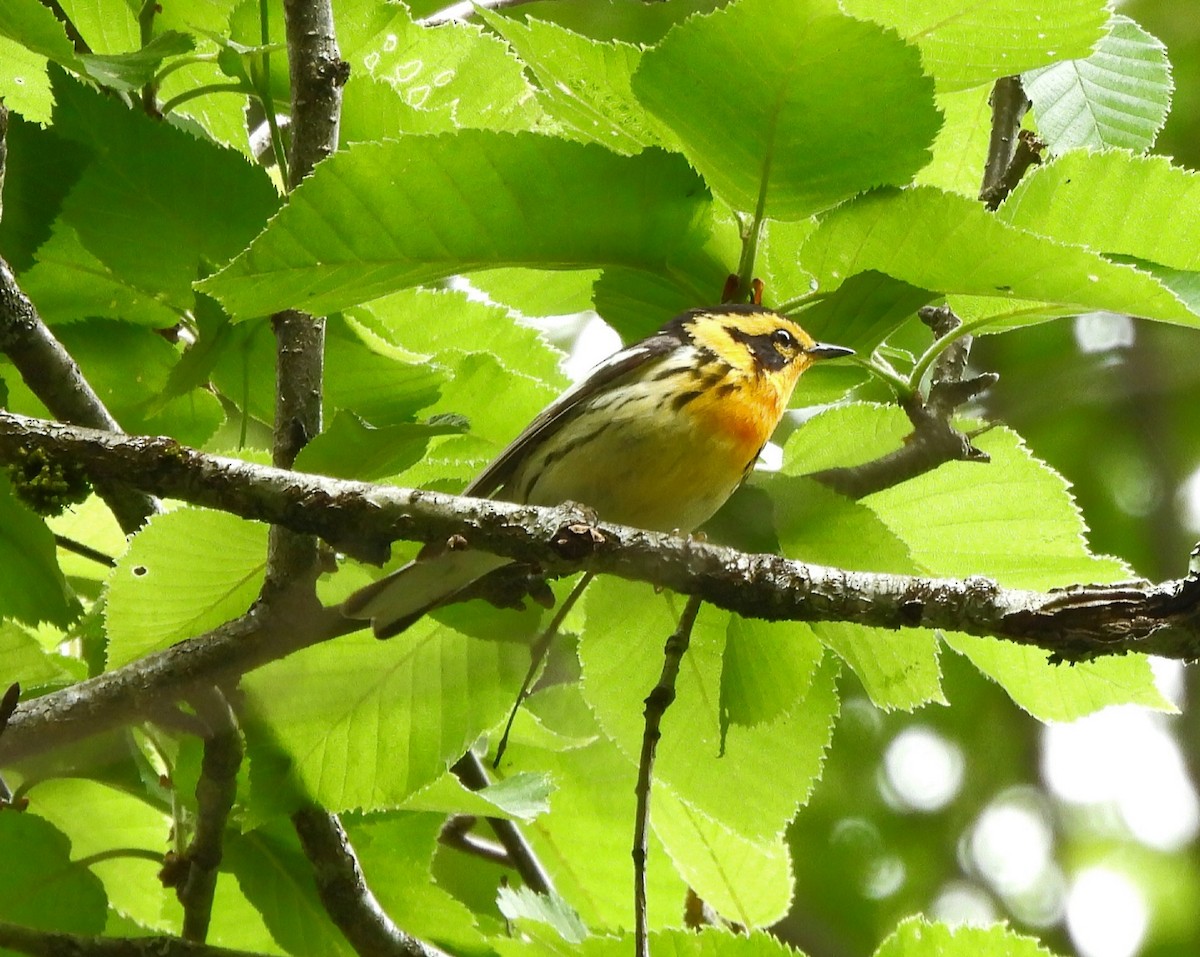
(936,348)
(177,101)
(180,62)
(264,94)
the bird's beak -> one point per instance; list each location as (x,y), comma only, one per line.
(821,350)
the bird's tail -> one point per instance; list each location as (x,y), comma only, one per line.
(399,599)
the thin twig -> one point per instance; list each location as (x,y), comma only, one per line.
(1009,105)
(537,654)
(457,834)
(657,703)
(521,856)
(216,790)
(345,894)
(84,551)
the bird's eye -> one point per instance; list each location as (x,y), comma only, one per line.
(783,339)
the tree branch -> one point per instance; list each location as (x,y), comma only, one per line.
(215,793)
(40,943)
(1011,150)
(1073,623)
(345,894)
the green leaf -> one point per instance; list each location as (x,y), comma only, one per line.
(583,83)
(396,851)
(449,325)
(39,886)
(68,283)
(367,724)
(1062,692)
(114,819)
(1140,193)
(414,79)
(918,937)
(621,654)
(523,904)
(947,243)
(585,841)
(34,26)
(157,202)
(537,292)
(960,150)
(185,573)
(767,668)
(786,137)
(351,449)
(276,878)
(23,659)
(131,71)
(32,588)
(965,43)
(24,83)
(378,217)
(863,311)
(817,525)
(1118,96)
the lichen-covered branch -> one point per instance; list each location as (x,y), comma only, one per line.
(361,518)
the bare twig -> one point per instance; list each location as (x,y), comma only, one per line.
(521,856)
(84,551)
(537,654)
(215,793)
(458,834)
(345,894)
(1009,105)
(657,703)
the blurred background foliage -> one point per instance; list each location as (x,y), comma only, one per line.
(1082,834)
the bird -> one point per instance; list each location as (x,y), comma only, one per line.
(657,436)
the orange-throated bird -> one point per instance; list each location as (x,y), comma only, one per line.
(658,436)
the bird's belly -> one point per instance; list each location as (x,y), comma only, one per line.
(649,469)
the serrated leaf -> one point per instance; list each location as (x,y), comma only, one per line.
(862,311)
(1118,96)
(22,659)
(965,43)
(523,904)
(34,26)
(24,83)
(960,150)
(114,819)
(414,79)
(535,292)
(767,668)
(523,797)
(947,243)
(1140,193)
(622,652)
(441,322)
(367,724)
(918,937)
(898,670)
(156,202)
(32,588)
(1061,692)
(381,216)
(39,886)
(185,572)
(786,137)
(583,83)
(130,71)
(349,448)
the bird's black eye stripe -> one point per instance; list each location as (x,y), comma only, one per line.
(762,347)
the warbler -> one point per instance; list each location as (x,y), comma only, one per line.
(657,436)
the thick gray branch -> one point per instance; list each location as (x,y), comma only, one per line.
(361,518)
